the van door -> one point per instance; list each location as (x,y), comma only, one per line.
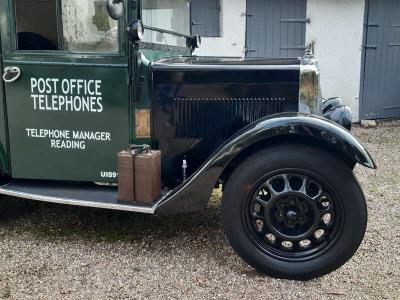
(67,89)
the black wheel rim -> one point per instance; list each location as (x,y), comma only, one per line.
(293,215)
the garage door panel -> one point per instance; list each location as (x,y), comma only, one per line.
(276,28)
(381,86)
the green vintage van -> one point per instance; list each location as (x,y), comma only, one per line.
(84,80)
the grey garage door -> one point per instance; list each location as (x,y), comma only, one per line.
(276,28)
(380,93)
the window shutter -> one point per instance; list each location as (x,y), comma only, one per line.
(206,18)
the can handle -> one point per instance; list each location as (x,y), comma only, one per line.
(138,149)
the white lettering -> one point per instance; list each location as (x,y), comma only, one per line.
(34,98)
(33,84)
(65,86)
(41,85)
(78,95)
(55,81)
(98,86)
(106,174)
(67,139)
(61,144)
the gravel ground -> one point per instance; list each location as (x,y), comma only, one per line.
(51,252)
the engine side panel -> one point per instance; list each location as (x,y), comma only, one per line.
(198,103)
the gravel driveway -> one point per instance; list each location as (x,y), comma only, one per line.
(52,252)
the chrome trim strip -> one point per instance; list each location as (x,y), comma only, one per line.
(74,202)
(7,184)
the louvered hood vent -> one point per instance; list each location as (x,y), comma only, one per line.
(220,117)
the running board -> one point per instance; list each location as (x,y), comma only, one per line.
(78,194)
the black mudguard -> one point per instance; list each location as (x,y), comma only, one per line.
(193,194)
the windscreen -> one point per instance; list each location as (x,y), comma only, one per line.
(173,15)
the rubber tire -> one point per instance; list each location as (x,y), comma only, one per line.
(332,170)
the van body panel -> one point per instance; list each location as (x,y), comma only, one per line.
(69,113)
(4,154)
(65,133)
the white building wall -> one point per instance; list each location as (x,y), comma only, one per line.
(233,31)
(337,29)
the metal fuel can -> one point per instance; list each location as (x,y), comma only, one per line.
(126,176)
(147,176)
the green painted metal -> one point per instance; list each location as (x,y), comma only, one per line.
(52,139)
(78,64)
(143,101)
(49,139)
(4,157)
(62,133)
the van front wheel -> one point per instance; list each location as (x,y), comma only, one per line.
(294,212)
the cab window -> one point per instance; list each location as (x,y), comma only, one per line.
(87,26)
(164,18)
(69,25)
(34,32)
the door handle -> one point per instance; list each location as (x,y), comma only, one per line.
(11,74)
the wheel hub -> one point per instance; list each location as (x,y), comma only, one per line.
(292,213)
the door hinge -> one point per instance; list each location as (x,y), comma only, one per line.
(308,20)
(370,47)
(247,50)
(247,15)
(294,48)
(218,7)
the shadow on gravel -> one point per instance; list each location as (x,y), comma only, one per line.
(10,210)
(51,221)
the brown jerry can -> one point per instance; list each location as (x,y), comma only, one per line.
(147,177)
(139,176)
(126,176)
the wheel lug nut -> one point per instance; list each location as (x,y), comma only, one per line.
(259,225)
(287,245)
(270,238)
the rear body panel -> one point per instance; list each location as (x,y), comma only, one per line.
(198,103)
